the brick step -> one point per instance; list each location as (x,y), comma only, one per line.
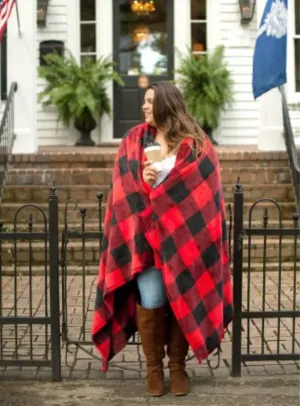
(87,193)
(102,176)
(8,210)
(104,157)
(91,158)
(40,193)
(94,225)
(92,254)
(73,270)
(72,176)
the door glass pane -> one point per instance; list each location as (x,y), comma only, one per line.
(84,58)
(297,64)
(198,9)
(143,40)
(198,37)
(87,10)
(88,38)
(297,16)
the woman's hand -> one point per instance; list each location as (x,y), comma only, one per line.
(149,173)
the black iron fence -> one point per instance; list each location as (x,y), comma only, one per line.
(259,328)
(30,329)
(20,315)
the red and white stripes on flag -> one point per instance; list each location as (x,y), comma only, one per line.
(6,7)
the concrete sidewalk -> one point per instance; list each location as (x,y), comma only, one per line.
(249,391)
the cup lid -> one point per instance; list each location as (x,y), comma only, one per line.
(153,144)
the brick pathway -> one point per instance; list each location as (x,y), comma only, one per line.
(130,363)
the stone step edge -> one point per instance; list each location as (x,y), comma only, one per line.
(106,186)
(95,204)
(30,171)
(257,242)
(100,153)
(271,267)
(94,226)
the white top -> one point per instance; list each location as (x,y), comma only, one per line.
(164,167)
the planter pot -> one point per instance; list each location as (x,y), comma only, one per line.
(85,140)
(209,132)
(85,128)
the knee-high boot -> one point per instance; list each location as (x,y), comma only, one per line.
(177,351)
(152,330)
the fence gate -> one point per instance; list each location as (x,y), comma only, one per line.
(29,286)
(29,298)
(81,246)
(264,329)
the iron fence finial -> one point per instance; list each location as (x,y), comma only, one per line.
(82,211)
(296,219)
(53,188)
(100,195)
(238,186)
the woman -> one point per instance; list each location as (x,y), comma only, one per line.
(164,268)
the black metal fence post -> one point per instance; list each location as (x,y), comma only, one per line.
(237,280)
(54,285)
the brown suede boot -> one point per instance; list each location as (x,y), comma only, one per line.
(177,351)
(152,330)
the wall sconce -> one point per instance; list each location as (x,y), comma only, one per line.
(247,8)
(41,12)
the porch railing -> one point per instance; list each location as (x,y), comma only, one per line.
(7,137)
(293,158)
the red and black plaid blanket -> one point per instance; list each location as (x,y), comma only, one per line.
(180,228)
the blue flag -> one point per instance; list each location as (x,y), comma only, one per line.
(269,62)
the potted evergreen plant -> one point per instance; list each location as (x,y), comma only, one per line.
(78,91)
(207,87)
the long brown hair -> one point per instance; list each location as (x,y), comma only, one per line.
(172,118)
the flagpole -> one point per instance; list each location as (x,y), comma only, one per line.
(18,18)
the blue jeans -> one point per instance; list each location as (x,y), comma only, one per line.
(151,287)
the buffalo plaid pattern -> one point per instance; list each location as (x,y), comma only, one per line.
(180,228)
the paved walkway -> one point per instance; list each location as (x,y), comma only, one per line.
(249,391)
(80,363)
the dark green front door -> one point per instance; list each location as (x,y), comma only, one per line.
(143,51)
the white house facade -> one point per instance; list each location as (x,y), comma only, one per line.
(97,31)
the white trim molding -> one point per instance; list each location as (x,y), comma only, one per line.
(73,40)
(293,96)
(104,47)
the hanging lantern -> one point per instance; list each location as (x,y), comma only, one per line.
(247,8)
(142,7)
(141,33)
(41,12)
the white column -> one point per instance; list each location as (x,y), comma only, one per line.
(73,43)
(270,135)
(22,62)
(105,48)
(182,29)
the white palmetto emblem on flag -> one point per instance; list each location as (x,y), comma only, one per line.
(275,23)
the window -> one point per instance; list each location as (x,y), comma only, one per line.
(198,26)
(87,29)
(297,46)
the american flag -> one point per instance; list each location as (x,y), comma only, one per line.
(6,7)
